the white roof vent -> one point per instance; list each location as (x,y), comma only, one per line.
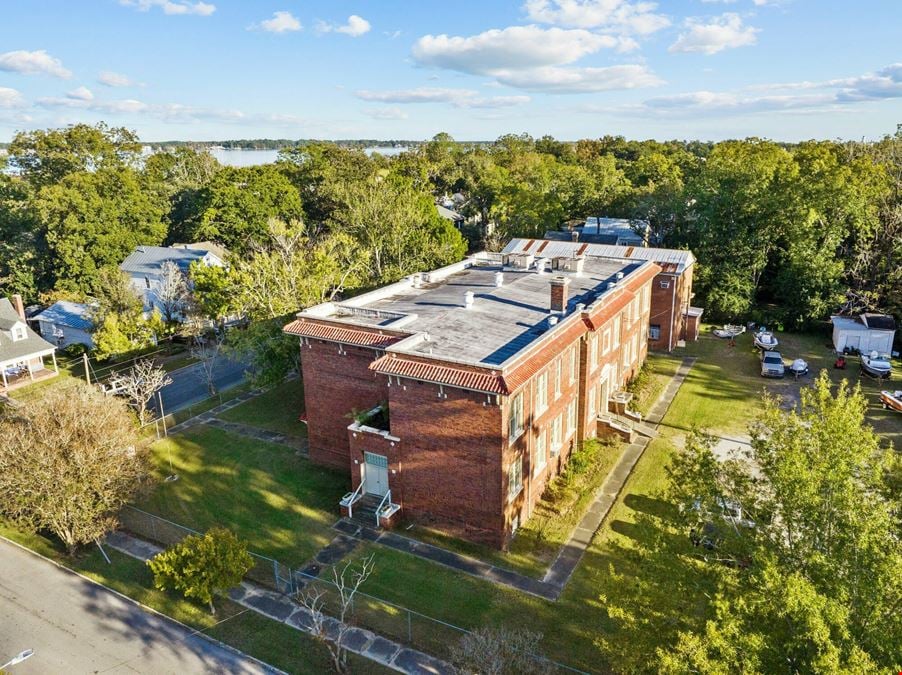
(611,285)
(414,280)
(580,306)
(541,265)
(619,276)
(552,320)
(499,279)
(468,299)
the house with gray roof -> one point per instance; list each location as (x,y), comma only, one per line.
(22,351)
(146,264)
(65,323)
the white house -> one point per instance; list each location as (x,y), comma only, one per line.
(65,323)
(866,333)
(22,351)
(146,263)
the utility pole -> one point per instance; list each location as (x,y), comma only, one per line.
(87,368)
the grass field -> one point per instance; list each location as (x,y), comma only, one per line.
(276,500)
(276,410)
(272,642)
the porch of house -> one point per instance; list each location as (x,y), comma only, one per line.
(22,372)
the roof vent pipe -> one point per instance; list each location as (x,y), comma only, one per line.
(499,279)
(580,307)
(468,299)
(611,285)
(619,276)
(540,266)
(552,320)
(414,280)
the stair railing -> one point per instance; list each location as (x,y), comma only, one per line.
(381,504)
(354,497)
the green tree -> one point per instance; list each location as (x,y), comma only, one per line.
(69,460)
(212,289)
(201,565)
(825,577)
(240,201)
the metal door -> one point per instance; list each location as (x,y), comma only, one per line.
(376,467)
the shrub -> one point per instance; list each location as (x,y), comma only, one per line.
(75,349)
(201,565)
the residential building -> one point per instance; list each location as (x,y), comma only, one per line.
(145,266)
(672,317)
(487,374)
(22,351)
(64,323)
(613,231)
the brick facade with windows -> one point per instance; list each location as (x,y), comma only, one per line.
(488,388)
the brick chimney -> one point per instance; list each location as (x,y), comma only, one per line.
(559,288)
(19,307)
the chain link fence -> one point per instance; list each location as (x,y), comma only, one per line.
(385,618)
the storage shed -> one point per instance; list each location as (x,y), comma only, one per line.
(866,333)
(65,323)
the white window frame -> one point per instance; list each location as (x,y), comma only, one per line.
(515,478)
(541,451)
(571,417)
(593,352)
(19,333)
(542,392)
(590,404)
(634,348)
(574,364)
(664,283)
(557,435)
(558,376)
(654,331)
(616,331)
(606,341)
(635,307)
(515,422)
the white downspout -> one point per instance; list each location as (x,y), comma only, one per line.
(672,307)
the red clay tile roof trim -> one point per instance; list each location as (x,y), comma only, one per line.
(344,334)
(452,376)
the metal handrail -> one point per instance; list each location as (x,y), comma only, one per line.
(354,496)
(381,504)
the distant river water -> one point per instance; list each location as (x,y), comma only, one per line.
(236,157)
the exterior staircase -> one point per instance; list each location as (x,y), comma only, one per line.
(364,511)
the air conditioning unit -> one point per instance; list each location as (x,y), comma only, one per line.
(568,264)
(519,261)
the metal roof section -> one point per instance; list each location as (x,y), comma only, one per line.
(671,260)
(148,260)
(65,313)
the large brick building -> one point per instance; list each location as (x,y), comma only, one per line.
(672,316)
(488,373)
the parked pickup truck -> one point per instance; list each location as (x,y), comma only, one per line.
(772,364)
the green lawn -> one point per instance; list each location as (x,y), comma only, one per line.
(276,410)
(272,642)
(276,500)
(659,370)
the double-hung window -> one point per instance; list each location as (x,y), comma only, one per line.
(574,363)
(515,477)
(571,417)
(541,451)
(593,351)
(557,436)
(591,402)
(616,330)
(558,376)
(541,392)
(515,421)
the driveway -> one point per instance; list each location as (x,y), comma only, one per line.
(190,386)
(76,626)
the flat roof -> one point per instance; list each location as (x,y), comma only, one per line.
(674,261)
(502,320)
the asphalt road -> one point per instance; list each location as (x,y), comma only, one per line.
(190,386)
(76,626)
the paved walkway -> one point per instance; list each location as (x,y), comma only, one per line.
(559,572)
(279,607)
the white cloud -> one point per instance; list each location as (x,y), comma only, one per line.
(389,113)
(617,15)
(723,32)
(33,63)
(110,79)
(460,98)
(580,80)
(281,22)
(81,94)
(355,26)
(10,98)
(833,94)
(175,7)
(513,48)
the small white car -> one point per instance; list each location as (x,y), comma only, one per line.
(772,364)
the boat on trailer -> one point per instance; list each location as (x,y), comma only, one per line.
(891,400)
(876,365)
(729,331)
(766,340)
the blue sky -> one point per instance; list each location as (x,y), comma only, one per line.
(219,69)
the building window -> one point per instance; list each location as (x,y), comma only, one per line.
(654,331)
(634,347)
(593,351)
(557,435)
(591,402)
(541,392)
(574,360)
(541,452)
(635,306)
(146,282)
(664,283)
(516,418)
(616,331)
(18,333)
(558,376)
(571,417)
(606,341)
(645,299)
(626,356)
(515,477)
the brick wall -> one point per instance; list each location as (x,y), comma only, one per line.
(337,380)
(668,308)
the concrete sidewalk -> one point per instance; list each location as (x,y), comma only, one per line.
(279,607)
